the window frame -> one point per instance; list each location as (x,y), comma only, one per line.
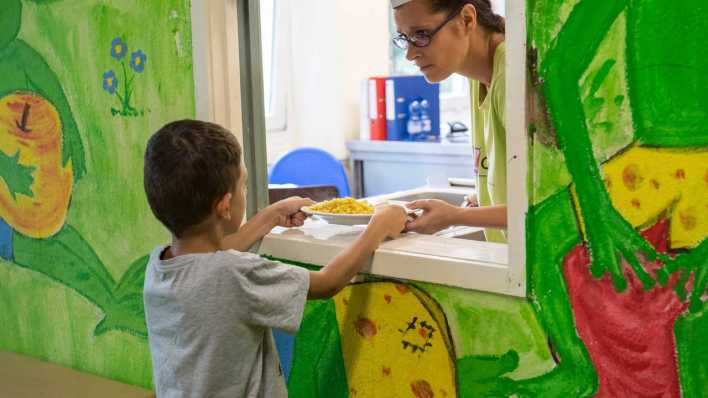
(219,101)
(228,75)
(517,143)
(276,120)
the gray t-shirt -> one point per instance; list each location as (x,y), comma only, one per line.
(209,319)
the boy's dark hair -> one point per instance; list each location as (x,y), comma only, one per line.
(189,166)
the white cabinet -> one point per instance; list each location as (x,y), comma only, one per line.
(381,167)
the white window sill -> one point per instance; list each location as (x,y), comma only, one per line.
(454,262)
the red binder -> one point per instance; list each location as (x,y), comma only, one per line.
(377,107)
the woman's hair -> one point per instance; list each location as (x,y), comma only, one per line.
(486,17)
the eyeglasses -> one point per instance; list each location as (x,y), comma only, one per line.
(421,38)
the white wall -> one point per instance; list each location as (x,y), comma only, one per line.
(216,64)
(333,44)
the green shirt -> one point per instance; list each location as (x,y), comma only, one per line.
(489,139)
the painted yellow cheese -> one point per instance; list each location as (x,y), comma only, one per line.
(395,342)
(647,183)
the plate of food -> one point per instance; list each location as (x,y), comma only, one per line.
(343,211)
(349,211)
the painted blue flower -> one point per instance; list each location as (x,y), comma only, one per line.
(137,61)
(110,82)
(118,48)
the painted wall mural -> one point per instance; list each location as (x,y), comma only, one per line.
(617,249)
(112,84)
(616,230)
(383,338)
(636,260)
(78,100)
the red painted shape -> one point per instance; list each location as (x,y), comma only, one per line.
(365,327)
(629,335)
(422,389)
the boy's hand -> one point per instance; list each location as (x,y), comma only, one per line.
(390,220)
(437,215)
(287,212)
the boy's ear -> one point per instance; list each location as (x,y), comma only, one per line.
(223,207)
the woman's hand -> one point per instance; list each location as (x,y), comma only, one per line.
(287,212)
(437,215)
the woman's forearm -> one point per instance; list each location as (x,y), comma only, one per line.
(485,216)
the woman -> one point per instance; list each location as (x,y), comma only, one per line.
(443,37)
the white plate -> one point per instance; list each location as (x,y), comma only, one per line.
(341,219)
(354,219)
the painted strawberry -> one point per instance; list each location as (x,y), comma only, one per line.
(629,335)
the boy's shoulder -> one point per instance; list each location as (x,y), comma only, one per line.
(219,260)
(249,265)
(234,256)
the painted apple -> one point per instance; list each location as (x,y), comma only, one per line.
(35,187)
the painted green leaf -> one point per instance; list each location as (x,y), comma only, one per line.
(44,81)
(68,259)
(126,311)
(554,220)
(483,376)
(18,177)
(693,353)
(123,318)
(318,365)
(131,284)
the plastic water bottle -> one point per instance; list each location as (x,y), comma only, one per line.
(425,122)
(414,125)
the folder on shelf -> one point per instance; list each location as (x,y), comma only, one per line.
(400,92)
(377,108)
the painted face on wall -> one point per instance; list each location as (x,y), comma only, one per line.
(447,49)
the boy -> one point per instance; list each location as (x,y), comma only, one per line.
(209,304)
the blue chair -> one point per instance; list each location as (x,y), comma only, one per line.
(304,167)
(310,166)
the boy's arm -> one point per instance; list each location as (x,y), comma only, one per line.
(249,233)
(388,221)
(285,213)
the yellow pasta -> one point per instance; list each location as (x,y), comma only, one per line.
(344,206)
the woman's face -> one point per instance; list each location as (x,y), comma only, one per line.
(447,49)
